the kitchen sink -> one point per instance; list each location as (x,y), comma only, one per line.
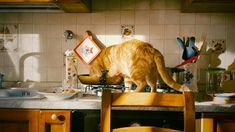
(20,93)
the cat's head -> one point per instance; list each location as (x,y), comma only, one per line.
(102,62)
(95,70)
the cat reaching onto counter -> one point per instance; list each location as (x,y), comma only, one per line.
(137,62)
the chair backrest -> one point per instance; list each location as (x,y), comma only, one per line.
(144,99)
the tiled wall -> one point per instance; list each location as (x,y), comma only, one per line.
(39,56)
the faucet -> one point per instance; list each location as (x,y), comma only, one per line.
(1,79)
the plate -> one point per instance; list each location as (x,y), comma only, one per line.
(225,95)
(57,93)
(225,98)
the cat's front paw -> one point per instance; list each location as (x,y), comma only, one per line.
(184,88)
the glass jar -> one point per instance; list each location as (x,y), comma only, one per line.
(214,80)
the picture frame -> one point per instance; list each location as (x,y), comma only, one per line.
(87,50)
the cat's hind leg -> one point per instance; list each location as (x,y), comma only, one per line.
(141,84)
(153,86)
(152,81)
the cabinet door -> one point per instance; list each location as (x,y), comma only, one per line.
(15,120)
(54,121)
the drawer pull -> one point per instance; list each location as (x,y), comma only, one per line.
(53,116)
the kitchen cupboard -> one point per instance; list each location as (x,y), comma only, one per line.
(208,5)
(19,120)
(22,120)
(54,121)
(217,122)
(70,6)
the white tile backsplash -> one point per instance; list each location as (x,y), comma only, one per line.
(54,18)
(142,30)
(83,18)
(171,60)
(9,18)
(157,17)
(156,32)
(54,74)
(40,30)
(113,17)
(171,31)
(41,43)
(187,30)
(26,44)
(203,29)
(25,18)
(187,18)
(25,30)
(142,17)
(170,47)
(203,18)
(54,31)
(69,18)
(158,44)
(55,59)
(230,31)
(98,18)
(230,19)
(54,45)
(40,18)
(39,61)
(218,19)
(172,17)
(218,32)
(40,74)
(127,17)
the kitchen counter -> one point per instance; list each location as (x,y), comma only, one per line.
(94,103)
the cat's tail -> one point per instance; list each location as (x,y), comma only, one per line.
(159,60)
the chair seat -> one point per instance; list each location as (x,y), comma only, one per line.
(144,129)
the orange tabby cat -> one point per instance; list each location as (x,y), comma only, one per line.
(137,61)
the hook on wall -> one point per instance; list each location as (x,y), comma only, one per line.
(68,34)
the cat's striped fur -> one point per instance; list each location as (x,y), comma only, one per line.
(136,61)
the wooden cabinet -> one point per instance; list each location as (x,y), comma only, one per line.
(22,120)
(54,121)
(208,6)
(70,6)
(19,120)
(218,122)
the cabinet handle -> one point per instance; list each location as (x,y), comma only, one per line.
(54,116)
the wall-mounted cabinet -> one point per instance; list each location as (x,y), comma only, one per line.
(208,5)
(70,6)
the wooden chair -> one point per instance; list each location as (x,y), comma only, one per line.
(143,99)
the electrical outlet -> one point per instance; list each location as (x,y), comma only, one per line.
(218,45)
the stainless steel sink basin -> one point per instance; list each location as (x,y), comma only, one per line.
(19,93)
